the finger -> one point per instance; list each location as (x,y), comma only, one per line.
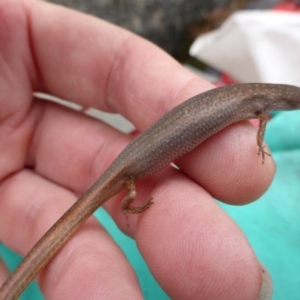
(119,74)
(191,246)
(90,264)
(228,167)
(218,168)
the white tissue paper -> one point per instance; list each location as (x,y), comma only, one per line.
(254,46)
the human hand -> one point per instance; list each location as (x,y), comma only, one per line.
(50,154)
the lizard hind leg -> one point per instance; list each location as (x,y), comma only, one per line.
(126,206)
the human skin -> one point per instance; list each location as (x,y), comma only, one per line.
(50,155)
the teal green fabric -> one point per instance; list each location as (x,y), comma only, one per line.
(271,224)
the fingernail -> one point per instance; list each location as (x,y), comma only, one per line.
(266,290)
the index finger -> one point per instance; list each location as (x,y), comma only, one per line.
(80,61)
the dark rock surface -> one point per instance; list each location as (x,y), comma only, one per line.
(171,24)
(165,22)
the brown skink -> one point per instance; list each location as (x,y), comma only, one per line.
(176,133)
